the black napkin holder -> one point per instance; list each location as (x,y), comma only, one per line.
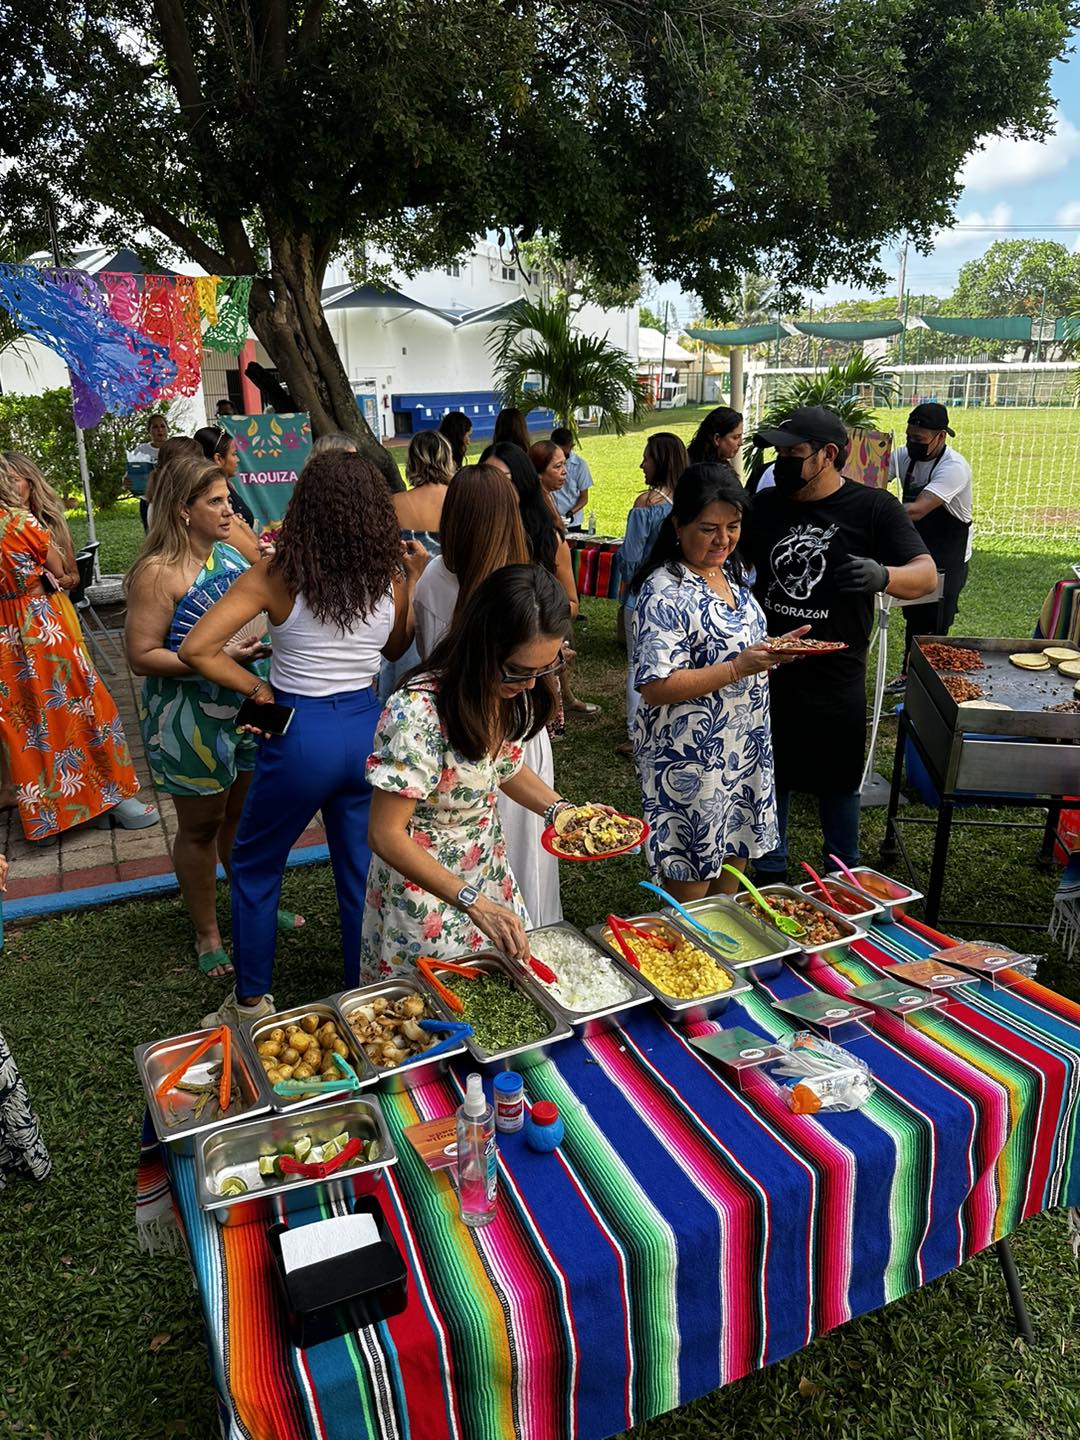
(332,1297)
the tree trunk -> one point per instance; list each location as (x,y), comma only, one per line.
(288,318)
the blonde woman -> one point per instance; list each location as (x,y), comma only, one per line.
(47,508)
(193,748)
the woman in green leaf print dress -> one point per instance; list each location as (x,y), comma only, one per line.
(447,742)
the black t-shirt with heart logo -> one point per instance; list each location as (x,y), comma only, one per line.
(818,703)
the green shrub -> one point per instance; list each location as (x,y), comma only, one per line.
(41,426)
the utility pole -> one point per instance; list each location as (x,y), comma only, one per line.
(1042,321)
(663,353)
(901,283)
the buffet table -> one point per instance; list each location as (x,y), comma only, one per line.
(685,1234)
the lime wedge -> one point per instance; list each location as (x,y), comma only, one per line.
(372,1150)
(266,1164)
(302,1148)
(341,1140)
(233,1185)
(330,1151)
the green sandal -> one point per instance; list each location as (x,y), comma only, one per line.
(286,921)
(215,960)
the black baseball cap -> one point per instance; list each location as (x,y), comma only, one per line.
(809,425)
(930,416)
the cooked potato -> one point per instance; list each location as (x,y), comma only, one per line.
(326,1034)
(270,1047)
(285,1072)
(274,1075)
(328,1065)
(303,1072)
(310,1023)
(340,1048)
(313,1056)
(276,1034)
(301,1041)
(290,1056)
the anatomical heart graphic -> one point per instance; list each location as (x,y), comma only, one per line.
(798,560)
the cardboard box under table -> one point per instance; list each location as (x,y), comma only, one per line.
(676,1207)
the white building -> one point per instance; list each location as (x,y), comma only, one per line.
(412,352)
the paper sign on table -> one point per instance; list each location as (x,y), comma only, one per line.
(930,974)
(818,1008)
(979,955)
(435,1141)
(896,997)
(738,1048)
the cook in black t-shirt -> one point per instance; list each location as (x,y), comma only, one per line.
(822,547)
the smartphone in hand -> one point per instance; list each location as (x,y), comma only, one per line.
(273,719)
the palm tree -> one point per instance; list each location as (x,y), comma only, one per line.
(851,390)
(572,370)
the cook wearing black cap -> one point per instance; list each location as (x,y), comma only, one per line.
(823,546)
(937,497)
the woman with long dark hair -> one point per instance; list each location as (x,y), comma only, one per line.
(338,593)
(456,427)
(447,743)
(511,428)
(701,734)
(718,437)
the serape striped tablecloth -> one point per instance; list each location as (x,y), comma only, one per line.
(684,1235)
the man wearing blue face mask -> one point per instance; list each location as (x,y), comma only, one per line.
(823,546)
(936,484)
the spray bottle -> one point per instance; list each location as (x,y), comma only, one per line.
(476,1155)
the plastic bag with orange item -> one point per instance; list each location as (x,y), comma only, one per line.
(818,1075)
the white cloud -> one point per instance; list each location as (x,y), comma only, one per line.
(1069,214)
(1006,161)
(954,239)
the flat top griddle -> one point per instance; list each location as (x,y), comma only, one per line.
(1026,692)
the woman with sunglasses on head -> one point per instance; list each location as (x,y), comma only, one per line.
(220,447)
(449,741)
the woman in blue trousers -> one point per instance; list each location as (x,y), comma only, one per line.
(338,597)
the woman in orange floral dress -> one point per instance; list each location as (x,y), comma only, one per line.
(65,745)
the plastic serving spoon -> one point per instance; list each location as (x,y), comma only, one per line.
(716,937)
(817,881)
(784,923)
(850,878)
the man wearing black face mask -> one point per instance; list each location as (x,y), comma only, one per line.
(937,498)
(823,546)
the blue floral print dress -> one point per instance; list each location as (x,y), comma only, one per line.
(705,765)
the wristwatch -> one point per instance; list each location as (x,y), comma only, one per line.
(466,896)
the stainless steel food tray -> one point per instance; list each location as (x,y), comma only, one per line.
(763,967)
(256,1030)
(849,931)
(393,1079)
(235,1149)
(888,907)
(593,1022)
(520,1057)
(681,1012)
(871,907)
(157,1059)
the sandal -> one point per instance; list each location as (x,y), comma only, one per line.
(287,921)
(581,707)
(214,964)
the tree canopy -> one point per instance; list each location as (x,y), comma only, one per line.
(698,141)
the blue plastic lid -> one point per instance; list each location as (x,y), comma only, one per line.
(508,1081)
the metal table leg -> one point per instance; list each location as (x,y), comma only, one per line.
(889,847)
(1053,817)
(1004,1254)
(937,864)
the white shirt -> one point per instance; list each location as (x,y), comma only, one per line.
(951,481)
(434,600)
(578,478)
(311,657)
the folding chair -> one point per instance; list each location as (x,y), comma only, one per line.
(94,629)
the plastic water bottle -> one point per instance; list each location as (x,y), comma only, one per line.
(477,1175)
(592,522)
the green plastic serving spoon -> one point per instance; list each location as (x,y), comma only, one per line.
(783,923)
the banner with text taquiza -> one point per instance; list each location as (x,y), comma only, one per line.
(271,450)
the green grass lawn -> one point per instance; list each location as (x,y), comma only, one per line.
(100,1342)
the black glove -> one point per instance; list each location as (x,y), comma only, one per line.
(859,575)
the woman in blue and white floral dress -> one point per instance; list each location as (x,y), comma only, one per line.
(701,735)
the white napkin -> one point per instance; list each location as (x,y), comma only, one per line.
(327,1239)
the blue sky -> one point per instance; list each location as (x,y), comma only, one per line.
(1014,189)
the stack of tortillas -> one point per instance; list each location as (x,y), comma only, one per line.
(1030,660)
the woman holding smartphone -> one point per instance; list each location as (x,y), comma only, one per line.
(338,593)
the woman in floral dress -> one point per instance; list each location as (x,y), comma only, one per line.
(445,745)
(65,745)
(701,734)
(22,1150)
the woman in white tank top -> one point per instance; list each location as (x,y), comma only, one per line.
(338,593)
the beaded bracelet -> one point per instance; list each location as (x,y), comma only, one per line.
(554,808)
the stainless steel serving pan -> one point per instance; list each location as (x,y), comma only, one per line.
(849,931)
(593,1022)
(678,1010)
(158,1058)
(517,1057)
(236,1150)
(256,1030)
(395,1078)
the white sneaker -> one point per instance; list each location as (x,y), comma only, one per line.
(231,1012)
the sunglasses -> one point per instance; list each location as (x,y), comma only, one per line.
(522,677)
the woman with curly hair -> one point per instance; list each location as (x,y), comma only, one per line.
(338,593)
